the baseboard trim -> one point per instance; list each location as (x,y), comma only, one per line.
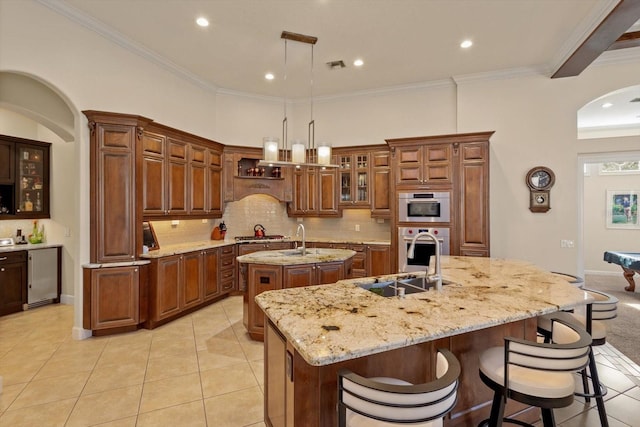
(66,299)
(80,333)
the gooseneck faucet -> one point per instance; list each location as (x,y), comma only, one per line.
(304,245)
(437,278)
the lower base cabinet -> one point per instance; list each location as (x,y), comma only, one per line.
(369,260)
(114,298)
(180,284)
(260,278)
(13,282)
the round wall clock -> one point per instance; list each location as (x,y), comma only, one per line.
(540,179)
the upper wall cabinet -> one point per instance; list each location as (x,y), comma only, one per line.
(24,178)
(181,176)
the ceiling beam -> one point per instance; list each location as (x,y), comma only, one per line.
(619,20)
(630,39)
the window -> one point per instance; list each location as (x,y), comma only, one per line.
(620,168)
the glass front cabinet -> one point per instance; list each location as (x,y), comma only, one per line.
(24,189)
(354,179)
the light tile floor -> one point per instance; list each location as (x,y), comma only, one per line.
(200,370)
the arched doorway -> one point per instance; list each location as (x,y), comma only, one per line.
(35,109)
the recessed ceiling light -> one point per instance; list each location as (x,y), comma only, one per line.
(607,105)
(269,76)
(466,44)
(202,21)
(358,62)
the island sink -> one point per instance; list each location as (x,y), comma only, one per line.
(410,285)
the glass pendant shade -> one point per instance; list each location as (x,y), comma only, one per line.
(324,153)
(298,151)
(270,148)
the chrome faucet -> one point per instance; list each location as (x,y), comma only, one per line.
(437,277)
(304,245)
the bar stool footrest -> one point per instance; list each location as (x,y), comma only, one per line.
(594,395)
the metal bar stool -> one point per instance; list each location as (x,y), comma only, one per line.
(536,374)
(603,307)
(390,401)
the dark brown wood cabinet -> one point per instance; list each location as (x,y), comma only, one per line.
(24,178)
(113,299)
(116,222)
(314,193)
(13,281)
(354,177)
(423,165)
(380,184)
(378,260)
(369,260)
(263,277)
(180,178)
(473,163)
(458,163)
(182,283)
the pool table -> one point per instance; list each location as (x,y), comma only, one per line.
(630,263)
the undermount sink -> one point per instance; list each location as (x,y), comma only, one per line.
(291,252)
(411,285)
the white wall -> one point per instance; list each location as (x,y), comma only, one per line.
(534,119)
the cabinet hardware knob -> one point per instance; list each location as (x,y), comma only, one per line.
(135,270)
(2,269)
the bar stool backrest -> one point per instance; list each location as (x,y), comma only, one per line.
(401,403)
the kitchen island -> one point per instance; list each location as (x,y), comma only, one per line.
(269,270)
(312,332)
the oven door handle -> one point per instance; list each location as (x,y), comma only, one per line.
(423,200)
(421,240)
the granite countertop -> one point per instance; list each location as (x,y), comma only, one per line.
(183,248)
(331,323)
(349,240)
(294,256)
(28,247)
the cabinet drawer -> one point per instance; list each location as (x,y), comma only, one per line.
(228,250)
(227,261)
(11,257)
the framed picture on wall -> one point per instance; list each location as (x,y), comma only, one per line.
(622,209)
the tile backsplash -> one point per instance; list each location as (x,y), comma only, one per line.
(241,217)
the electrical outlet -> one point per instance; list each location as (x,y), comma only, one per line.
(67,232)
(205,220)
(566,243)
(357,227)
(175,222)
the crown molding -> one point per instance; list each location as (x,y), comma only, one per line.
(121,40)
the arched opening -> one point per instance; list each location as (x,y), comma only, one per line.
(31,108)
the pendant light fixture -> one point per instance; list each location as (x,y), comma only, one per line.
(299,154)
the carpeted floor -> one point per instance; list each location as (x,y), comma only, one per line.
(623,332)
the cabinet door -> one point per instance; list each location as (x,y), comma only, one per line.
(378,260)
(344,173)
(261,278)
(311,185)
(409,162)
(359,261)
(167,287)
(177,175)
(380,185)
(275,394)
(326,193)
(13,280)
(297,205)
(192,288)
(197,179)
(32,183)
(214,183)
(299,275)
(329,272)
(115,298)
(7,162)
(153,175)
(211,279)
(474,199)
(113,237)
(437,164)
